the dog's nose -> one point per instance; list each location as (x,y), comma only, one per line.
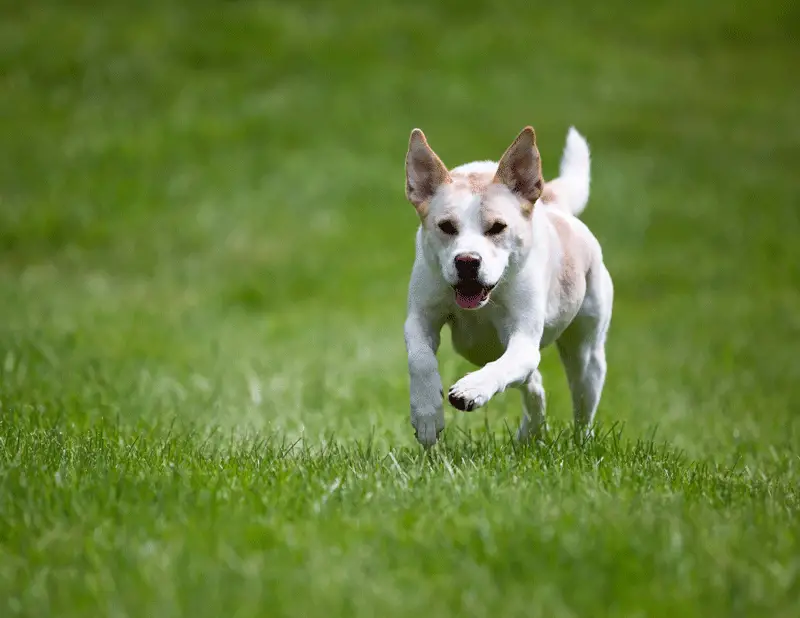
(467,265)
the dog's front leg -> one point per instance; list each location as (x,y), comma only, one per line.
(513,368)
(422,335)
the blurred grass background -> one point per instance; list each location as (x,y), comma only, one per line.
(202,218)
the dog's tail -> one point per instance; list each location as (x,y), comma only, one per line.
(570,190)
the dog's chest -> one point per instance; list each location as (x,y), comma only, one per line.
(475,338)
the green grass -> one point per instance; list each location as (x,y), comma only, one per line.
(204,256)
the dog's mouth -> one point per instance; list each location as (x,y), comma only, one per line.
(471,294)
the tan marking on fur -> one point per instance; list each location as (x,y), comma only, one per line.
(575,261)
(474,182)
(479,183)
(549,194)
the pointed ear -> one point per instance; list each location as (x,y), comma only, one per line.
(425,172)
(520,167)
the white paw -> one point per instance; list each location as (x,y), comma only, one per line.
(530,431)
(585,432)
(428,427)
(471,392)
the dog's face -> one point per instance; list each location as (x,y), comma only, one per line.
(475,219)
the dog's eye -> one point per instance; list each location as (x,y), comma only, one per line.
(496,228)
(448,228)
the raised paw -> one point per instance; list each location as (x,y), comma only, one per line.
(470,392)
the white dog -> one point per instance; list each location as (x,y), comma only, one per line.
(503,259)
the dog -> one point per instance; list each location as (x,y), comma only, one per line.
(503,259)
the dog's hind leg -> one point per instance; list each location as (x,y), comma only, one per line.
(582,350)
(533,408)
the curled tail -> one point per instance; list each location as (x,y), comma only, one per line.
(570,190)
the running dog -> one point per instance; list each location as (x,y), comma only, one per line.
(502,258)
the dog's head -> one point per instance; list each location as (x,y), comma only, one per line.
(475,218)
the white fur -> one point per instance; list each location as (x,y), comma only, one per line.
(533,304)
(572,184)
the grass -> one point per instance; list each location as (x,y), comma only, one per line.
(205,251)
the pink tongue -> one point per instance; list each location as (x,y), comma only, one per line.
(469,302)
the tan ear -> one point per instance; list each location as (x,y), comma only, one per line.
(520,167)
(425,172)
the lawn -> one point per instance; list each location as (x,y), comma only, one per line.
(204,254)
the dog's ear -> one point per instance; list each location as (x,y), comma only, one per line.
(520,167)
(425,172)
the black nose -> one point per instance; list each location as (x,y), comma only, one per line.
(467,265)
